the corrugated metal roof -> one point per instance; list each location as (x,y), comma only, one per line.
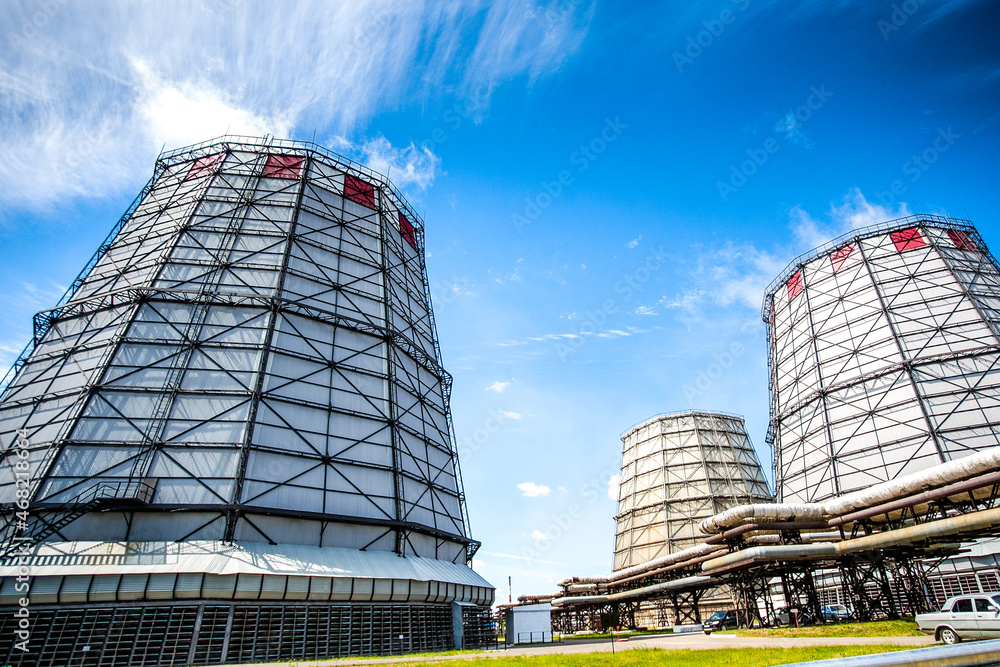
(210,557)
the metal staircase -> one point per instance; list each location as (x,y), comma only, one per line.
(19,531)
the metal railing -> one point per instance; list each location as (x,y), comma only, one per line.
(678,413)
(958,655)
(856,235)
(537,637)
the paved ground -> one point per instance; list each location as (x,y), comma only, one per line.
(694,640)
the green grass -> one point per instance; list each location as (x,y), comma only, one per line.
(904,628)
(745,657)
(469,652)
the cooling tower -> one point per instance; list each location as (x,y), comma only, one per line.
(678,469)
(884,356)
(238,428)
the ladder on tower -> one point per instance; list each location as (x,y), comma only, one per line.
(26,531)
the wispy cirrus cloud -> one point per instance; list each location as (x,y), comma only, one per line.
(529,38)
(791,129)
(853,212)
(737,273)
(19,305)
(549,337)
(90,97)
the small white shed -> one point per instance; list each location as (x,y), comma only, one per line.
(528,624)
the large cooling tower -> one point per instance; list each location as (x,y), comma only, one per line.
(678,469)
(884,356)
(238,428)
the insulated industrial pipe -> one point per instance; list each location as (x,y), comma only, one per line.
(656,563)
(687,582)
(815,551)
(953,471)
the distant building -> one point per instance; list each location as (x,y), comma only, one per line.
(678,469)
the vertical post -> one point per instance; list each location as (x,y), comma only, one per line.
(194,634)
(229,630)
(457,628)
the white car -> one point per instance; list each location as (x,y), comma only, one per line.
(963,617)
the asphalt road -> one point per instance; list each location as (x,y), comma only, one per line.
(692,640)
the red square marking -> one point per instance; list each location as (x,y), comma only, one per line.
(406,229)
(961,240)
(204,166)
(283,166)
(907,239)
(358,191)
(794,285)
(838,258)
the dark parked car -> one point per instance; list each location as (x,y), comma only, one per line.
(794,616)
(836,613)
(723,620)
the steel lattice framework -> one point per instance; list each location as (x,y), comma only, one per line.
(252,356)
(678,469)
(884,356)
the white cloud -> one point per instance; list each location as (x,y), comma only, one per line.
(9,352)
(634,242)
(789,126)
(854,212)
(645,310)
(538,535)
(498,387)
(459,288)
(500,277)
(738,273)
(512,415)
(20,304)
(532,490)
(610,333)
(404,166)
(741,274)
(188,112)
(93,95)
(613,484)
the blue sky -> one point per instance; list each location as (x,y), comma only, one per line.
(607,191)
